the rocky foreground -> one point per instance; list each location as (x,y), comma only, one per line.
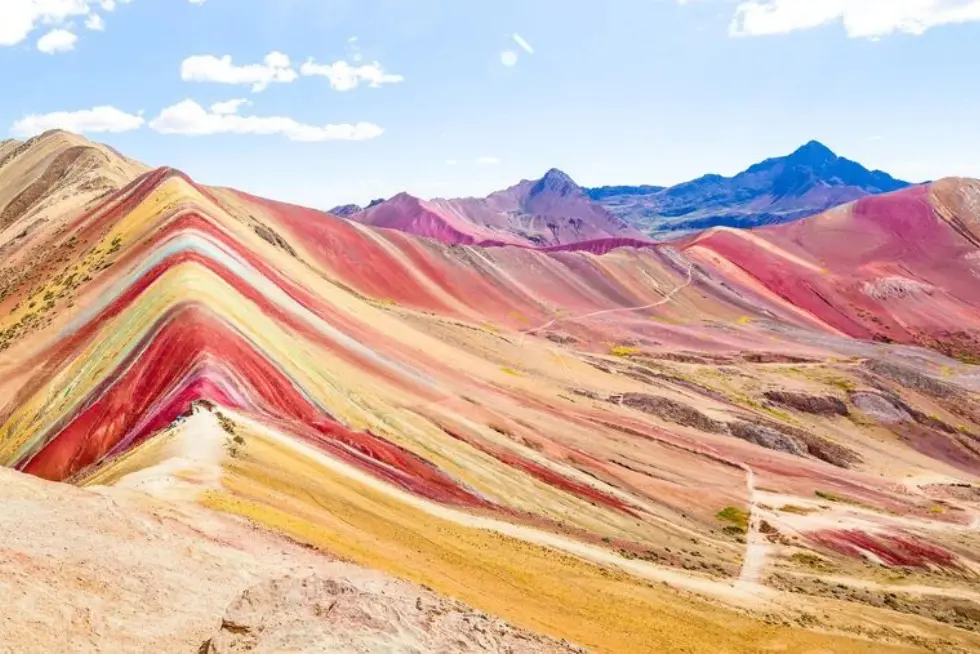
(109,570)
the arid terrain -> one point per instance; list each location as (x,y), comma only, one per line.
(233,423)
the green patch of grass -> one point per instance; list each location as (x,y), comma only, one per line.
(798,510)
(736,516)
(624,351)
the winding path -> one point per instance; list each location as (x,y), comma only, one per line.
(664,300)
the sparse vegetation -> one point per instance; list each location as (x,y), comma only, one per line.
(798,510)
(233,444)
(624,351)
(510,371)
(843,384)
(811,560)
(738,518)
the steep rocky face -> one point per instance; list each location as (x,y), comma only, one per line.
(556,182)
(346,210)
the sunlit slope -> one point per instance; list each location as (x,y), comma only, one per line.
(502,424)
(899,267)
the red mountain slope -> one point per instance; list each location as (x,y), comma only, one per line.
(898,267)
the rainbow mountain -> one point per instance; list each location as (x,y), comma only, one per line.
(629,446)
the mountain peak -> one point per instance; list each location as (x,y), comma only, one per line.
(813,151)
(556,181)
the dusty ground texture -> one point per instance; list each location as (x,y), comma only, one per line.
(320,614)
(108,570)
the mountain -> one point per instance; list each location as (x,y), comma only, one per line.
(348,210)
(810,180)
(554,210)
(263,424)
(549,211)
(56,163)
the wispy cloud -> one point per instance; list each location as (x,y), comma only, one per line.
(523,43)
(871,19)
(191,119)
(96,120)
(344,77)
(55,41)
(275,68)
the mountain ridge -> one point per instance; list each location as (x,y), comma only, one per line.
(554,210)
(805,182)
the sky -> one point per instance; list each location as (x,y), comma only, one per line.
(324,102)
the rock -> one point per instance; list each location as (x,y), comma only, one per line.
(560,337)
(880,407)
(813,404)
(669,410)
(768,438)
(910,378)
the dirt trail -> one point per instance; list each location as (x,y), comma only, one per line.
(722,590)
(664,300)
(756,547)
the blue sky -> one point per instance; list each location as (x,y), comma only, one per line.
(378,96)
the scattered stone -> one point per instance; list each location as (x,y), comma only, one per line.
(768,438)
(827,405)
(910,378)
(560,337)
(669,410)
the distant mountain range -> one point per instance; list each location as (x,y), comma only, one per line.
(810,180)
(554,210)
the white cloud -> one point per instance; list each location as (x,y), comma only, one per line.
(95,23)
(191,119)
(275,68)
(18,18)
(861,18)
(55,41)
(451,162)
(524,44)
(229,106)
(344,77)
(508,58)
(487,161)
(95,120)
